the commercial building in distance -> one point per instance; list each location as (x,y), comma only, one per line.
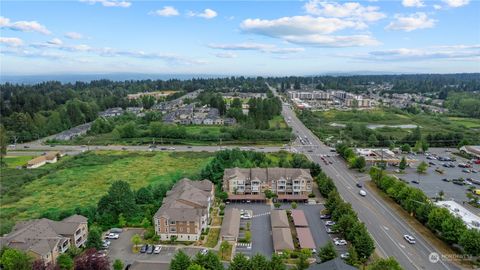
(185,210)
(290,184)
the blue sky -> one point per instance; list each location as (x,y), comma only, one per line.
(239,37)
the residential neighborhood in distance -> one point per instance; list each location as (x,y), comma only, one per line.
(240,135)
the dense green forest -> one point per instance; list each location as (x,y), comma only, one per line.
(409,83)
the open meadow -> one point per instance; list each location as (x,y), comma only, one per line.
(81,180)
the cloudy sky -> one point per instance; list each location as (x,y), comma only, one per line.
(239,37)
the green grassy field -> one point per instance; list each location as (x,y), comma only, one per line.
(278,121)
(82,180)
(430,124)
(14,161)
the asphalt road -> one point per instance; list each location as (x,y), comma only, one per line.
(385,226)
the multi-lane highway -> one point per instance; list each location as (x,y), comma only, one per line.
(386,227)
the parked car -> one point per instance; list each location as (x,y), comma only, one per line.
(143,249)
(330,230)
(116,230)
(329,223)
(204,251)
(345,255)
(157,249)
(466,171)
(410,239)
(340,242)
(326,216)
(112,236)
(149,249)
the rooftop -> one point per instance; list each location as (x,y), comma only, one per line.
(470,219)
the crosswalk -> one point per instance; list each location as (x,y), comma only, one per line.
(262,214)
(245,245)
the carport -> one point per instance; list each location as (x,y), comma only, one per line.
(299,219)
(292,198)
(230,225)
(282,239)
(246,197)
(279,219)
(305,238)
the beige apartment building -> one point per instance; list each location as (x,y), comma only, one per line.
(290,184)
(46,239)
(185,210)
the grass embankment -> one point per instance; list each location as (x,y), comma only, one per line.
(212,237)
(14,161)
(416,225)
(81,180)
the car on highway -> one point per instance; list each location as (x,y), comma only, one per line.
(171,148)
(329,223)
(26,146)
(410,239)
(157,249)
(415,182)
(163,148)
(362,193)
(359,185)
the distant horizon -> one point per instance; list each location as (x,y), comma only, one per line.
(117,76)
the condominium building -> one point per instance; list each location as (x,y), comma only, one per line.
(287,183)
(185,210)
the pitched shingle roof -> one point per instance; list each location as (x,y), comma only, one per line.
(282,239)
(279,219)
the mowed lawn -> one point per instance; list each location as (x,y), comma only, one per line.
(14,161)
(82,180)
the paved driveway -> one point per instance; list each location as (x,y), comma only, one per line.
(122,249)
(260,228)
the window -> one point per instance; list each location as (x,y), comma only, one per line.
(172,229)
(172,222)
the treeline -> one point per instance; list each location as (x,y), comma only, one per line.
(464,104)
(250,159)
(32,111)
(439,220)
(413,83)
(347,222)
(214,100)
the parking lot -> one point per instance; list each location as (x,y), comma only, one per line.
(431,183)
(260,226)
(121,248)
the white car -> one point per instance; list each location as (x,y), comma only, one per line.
(112,236)
(204,251)
(329,223)
(157,249)
(410,239)
(171,148)
(362,193)
(345,255)
(340,242)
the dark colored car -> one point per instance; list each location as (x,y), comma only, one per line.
(149,249)
(415,182)
(143,249)
(359,185)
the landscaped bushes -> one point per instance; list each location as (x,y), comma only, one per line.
(440,221)
(347,222)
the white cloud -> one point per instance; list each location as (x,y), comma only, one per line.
(11,41)
(55,41)
(266,48)
(413,3)
(226,55)
(437,7)
(411,22)
(456,3)
(349,10)
(24,26)
(73,35)
(166,11)
(458,52)
(297,25)
(207,14)
(308,30)
(109,3)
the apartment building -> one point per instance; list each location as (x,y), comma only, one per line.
(289,184)
(46,239)
(185,210)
